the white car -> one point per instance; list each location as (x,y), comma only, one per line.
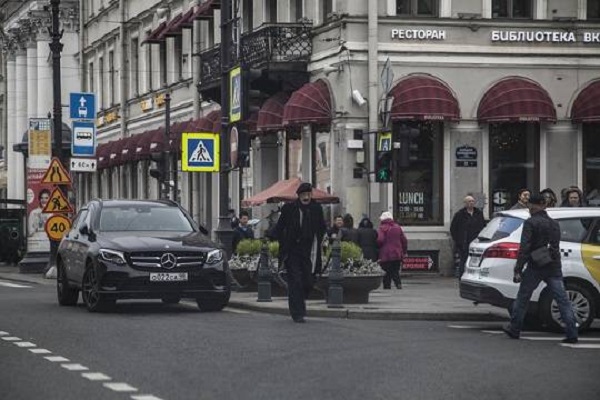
(492,257)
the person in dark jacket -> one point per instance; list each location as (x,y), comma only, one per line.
(349,233)
(573,197)
(300,231)
(242,230)
(540,231)
(522,199)
(336,229)
(392,249)
(367,239)
(550,197)
(466,225)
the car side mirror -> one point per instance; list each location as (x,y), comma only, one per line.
(84,230)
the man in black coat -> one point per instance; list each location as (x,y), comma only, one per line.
(465,226)
(541,233)
(300,230)
(242,230)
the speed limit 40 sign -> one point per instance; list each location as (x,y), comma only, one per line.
(57,226)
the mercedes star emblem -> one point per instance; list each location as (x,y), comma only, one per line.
(168,261)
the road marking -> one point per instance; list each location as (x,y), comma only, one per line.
(2,333)
(493,332)
(56,359)
(95,376)
(120,387)
(25,344)
(11,338)
(74,367)
(236,311)
(40,351)
(13,285)
(145,397)
(581,345)
(462,327)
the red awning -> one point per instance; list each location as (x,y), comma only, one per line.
(173,28)
(423,98)
(157,141)
(114,155)
(516,100)
(102,156)
(143,149)
(286,191)
(586,107)
(187,22)
(175,134)
(270,115)
(211,122)
(130,150)
(205,10)
(251,122)
(311,104)
(153,37)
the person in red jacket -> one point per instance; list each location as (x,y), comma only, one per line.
(392,249)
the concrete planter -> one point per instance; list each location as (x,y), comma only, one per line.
(356,287)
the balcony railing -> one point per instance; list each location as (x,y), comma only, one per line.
(267,45)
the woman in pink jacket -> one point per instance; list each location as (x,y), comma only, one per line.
(392,249)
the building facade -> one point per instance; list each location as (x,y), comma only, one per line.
(478,96)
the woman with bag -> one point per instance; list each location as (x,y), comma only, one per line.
(392,249)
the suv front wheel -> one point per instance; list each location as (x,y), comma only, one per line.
(581,300)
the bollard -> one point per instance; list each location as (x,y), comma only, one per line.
(335,297)
(264,274)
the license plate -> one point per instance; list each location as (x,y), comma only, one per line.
(168,276)
(474,261)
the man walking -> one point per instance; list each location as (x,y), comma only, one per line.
(300,231)
(242,230)
(539,248)
(466,225)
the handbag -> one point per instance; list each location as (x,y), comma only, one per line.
(541,256)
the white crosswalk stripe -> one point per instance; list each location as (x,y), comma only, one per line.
(95,376)
(13,285)
(120,387)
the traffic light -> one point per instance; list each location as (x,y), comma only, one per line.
(383,166)
(251,97)
(159,159)
(243,160)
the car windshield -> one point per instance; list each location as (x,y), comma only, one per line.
(499,228)
(144,218)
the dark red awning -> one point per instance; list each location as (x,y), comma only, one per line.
(311,104)
(586,107)
(205,10)
(423,98)
(101,155)
(286,191)
(153,37)
(187,22)
(114,155)
(251,122)
(143,150)
(211,122)
(270,115)
(516,99)
(130,149)
(173,28)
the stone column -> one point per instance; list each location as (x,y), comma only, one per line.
(32,79)
(11,156)
(20,120)
(44,75)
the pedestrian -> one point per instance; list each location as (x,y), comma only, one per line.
(349,232)
(336,229)
(392,249)
(573,197)
(539,249)
(550,197)
(300,231)
(522,199)
(242,230)
(367,239)
(466,225)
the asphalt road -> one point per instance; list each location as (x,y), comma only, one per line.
(149,351)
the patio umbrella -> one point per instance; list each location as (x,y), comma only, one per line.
(286,191)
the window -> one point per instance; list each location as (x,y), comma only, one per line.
(512,9)
(135,67)
(593,9)
(101,83)
(148,68)
(327,9)
(419,166)
(417,7)
(514,162)
(248,15)
(591,166)
(178,48)
(162,51)
(574,230)
(91,77)
(297,10)
(271,9)
(111,78)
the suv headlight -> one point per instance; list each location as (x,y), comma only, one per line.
(113,256)
(214,256)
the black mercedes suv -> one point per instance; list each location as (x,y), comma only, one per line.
(140,249)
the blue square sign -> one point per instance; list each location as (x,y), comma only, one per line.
(82,106)
(83,142)
(200,152)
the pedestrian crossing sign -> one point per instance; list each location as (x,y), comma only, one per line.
(200,152)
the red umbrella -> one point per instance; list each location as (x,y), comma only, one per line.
(286,191)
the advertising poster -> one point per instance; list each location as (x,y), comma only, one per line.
(38,195)
(40,143)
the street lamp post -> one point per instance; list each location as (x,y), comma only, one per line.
(166,159)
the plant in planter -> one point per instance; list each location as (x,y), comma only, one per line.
(244,265)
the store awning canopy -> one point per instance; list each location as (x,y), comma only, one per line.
(423,98)
(286,191)
(173,28)
(211,122)
(205,10)
(586,107)
(516,99)
(154,36)
(270,115)
(311,104)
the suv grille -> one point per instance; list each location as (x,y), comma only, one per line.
(151,259)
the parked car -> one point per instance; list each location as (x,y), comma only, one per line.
(140,249)
(492,258)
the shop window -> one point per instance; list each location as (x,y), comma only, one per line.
(512,8)
(425,8)
(419,176)
(514,162)
(593,9)
(591,159)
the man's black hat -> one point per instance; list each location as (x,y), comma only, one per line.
(304,187)
(537,199)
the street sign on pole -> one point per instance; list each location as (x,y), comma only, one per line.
(387,76)
(83,142)
(84,165)
(200,152)
(235,108)
(56,174)
(82,105)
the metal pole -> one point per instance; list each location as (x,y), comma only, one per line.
(264,274)
(224,232)
(335,294)
(166,161)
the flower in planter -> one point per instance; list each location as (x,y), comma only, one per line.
(352,262)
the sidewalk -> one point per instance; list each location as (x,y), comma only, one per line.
(422,297)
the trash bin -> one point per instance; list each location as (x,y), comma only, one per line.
(12,234)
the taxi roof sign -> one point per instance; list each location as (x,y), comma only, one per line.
(57,203)
(56,174)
